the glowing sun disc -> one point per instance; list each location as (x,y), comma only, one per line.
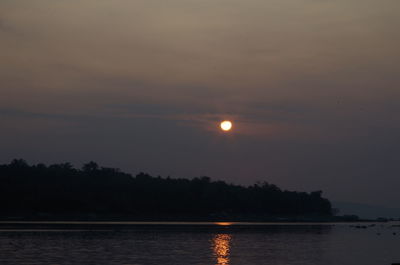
(226,125)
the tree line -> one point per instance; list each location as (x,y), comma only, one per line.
(61,189)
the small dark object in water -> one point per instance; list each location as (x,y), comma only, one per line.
(361,226)
(394,234)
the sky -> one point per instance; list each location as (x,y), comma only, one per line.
(312,88)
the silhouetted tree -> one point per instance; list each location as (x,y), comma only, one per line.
(90,167)
(63,189)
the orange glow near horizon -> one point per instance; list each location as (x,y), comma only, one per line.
(224,223)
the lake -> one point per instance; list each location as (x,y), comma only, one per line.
(198,243)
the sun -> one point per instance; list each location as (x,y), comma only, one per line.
(226,125)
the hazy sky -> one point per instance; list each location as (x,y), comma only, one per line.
(312,86)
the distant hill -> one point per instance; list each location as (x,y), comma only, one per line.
(61,189)
(366,211)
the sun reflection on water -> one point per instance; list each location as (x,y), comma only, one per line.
(221,247)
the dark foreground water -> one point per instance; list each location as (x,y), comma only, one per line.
(223,244)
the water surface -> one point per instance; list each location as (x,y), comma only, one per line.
(198,243)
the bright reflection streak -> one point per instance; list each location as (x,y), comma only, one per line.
(221,247)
